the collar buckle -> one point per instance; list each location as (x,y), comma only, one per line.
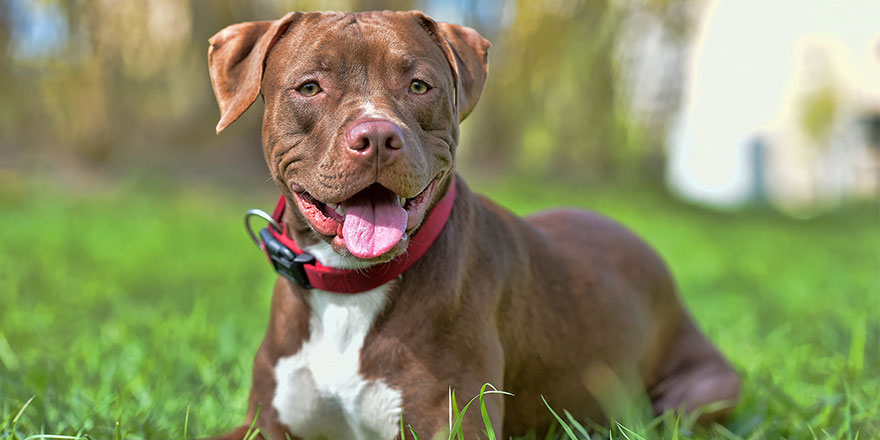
(286,262)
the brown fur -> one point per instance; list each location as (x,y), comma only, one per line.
(565,304)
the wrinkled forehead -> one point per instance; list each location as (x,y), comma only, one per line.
(348,43)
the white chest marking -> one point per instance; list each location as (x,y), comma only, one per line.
(320,392)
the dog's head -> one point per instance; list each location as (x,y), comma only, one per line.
(361,117)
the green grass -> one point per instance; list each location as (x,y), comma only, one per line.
(134,313)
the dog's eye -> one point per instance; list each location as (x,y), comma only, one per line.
(310,89)
(419,87)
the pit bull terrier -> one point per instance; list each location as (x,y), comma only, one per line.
(419,285)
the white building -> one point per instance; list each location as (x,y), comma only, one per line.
(780,98)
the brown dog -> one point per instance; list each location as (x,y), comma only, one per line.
(360,132)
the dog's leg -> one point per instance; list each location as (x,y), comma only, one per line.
(696,378)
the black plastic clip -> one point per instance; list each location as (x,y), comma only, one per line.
(285,261)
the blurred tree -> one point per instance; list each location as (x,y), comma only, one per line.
(372,5)
(552,96)
(557,102)
(6,103)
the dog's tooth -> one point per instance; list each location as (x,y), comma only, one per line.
(332,205)
(340,210)
(401,201)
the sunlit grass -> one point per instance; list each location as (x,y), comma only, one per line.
(135,313)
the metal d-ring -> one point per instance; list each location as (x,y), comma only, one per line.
(263,215)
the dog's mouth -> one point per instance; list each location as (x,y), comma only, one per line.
(369,223)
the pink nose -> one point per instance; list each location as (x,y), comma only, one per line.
(369,137)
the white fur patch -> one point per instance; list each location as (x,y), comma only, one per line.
(320,392)
(370,109)
(328,257)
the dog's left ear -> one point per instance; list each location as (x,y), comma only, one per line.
(467,54)
(236,60)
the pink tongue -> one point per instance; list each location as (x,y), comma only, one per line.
(374,222)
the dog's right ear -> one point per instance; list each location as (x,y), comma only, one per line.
(236,60)
(466,51)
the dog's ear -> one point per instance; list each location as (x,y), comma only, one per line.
(470,51)
(467,53)
(236,59)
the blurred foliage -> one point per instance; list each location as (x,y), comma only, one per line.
(818,114)
(98,80)
(557,100)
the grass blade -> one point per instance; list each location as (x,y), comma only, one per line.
(54,437)
(551,433)
(856,359)
(726,433)
(675,427)
(253,431)
(456,430)
(490,431)
(451,395)
(402,432)
(18,416)
(186,423)
(577,425)
(5,420)
(453,410)
(413,431)
(562,423)
(624,430)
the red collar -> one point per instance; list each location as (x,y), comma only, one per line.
(332,279)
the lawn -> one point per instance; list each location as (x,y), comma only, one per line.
(134,311)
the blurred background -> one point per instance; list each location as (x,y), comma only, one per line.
(740,138)
(724,102)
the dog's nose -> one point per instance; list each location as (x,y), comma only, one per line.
(369,137)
